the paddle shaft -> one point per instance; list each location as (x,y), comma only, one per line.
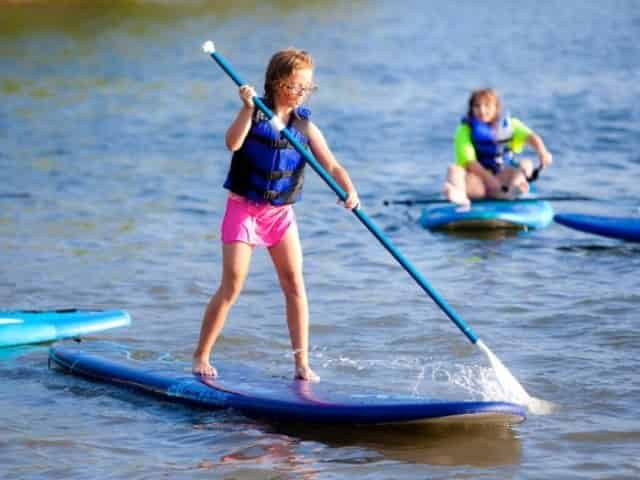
(363,217)
(430,201)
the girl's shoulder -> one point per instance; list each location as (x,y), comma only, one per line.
(463,131)
(302,120)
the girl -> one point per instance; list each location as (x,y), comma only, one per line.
(264,180)
(485,147)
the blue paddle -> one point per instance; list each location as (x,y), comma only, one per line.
(436,200)
(535,174)
(506,379)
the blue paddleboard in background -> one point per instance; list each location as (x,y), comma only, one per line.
(522,214)
(279,399)
(624,228)
(20,327)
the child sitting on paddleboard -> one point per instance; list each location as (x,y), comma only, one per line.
(264,180)
(485,146)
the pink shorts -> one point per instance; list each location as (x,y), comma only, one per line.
(255,223)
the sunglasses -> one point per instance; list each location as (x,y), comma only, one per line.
(299,89)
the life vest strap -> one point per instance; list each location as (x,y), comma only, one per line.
(286,196)
(280,174)
(277,143)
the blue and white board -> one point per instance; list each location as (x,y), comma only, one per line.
(21,327)
(624,228)
(283,400)
(520,214)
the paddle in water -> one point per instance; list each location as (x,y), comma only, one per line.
(513,390)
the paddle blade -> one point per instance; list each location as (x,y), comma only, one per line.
(512,388)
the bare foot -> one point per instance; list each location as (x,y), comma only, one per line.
(455,195)
(203,367)
(306,374)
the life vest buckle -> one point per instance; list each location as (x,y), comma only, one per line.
(278,174)
(270,195)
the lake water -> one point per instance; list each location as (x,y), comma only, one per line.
(112,159)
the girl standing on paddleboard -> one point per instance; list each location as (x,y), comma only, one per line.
(264,180)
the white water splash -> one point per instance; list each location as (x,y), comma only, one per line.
(478,382)
(513,391)
(429,377)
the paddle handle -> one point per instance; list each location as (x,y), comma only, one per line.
(208,47)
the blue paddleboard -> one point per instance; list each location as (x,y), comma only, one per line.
(279,399)
(21,327)
(625,228)
(520,214)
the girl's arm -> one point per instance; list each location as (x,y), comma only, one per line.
(323,154)
(538,145)
(239,128)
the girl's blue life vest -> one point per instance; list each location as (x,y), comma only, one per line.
(492,144)
(267,168)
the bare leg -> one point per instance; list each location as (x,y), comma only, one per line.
(287,259)
(455,187)
(235,265)
(476,187)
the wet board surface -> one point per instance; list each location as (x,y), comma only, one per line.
(489,214)
(21,327)
(251,393)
